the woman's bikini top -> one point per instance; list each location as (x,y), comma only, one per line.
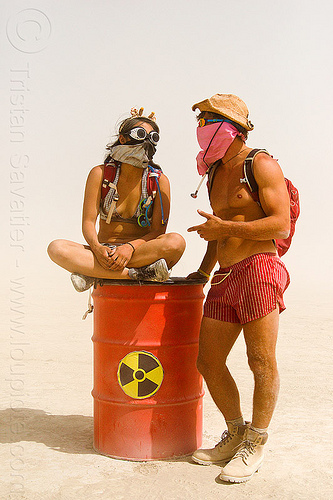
(116,217)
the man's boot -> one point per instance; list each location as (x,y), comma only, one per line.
(225,449)
(248,458)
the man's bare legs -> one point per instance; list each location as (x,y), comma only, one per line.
(260,337)
(78,258)
(216,341)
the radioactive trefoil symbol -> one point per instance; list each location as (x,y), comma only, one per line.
(140,374)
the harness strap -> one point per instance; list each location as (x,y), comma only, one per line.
(155,174)
(115,198)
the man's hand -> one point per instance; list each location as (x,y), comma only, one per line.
(210,230)
(197,276)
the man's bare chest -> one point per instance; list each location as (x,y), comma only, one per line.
(228,195)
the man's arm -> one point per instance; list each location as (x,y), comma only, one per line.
(208,262)
(274,199)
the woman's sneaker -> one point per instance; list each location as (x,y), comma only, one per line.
(231,439)
(81,283)
(158,271)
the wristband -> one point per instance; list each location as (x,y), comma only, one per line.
(206,275)
(128,243)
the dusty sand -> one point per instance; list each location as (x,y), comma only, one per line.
(46,447)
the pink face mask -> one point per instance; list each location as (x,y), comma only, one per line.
(214,141)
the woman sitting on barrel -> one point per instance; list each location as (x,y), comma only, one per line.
(132,197)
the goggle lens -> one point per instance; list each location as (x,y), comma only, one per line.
(154,137)
(141,133)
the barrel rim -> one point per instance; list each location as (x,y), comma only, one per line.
(170,282)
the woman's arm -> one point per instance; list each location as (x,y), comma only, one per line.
(91,202)
(90,213)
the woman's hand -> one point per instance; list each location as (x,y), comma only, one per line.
(119,257)
(102,254)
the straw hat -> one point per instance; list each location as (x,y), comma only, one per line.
(227,105)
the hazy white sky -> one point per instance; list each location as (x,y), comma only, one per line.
(71,70)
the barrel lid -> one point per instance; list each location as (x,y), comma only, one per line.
(172,281)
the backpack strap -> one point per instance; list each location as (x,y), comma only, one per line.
(249,179)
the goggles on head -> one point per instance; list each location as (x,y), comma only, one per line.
(140,134)
(205,121)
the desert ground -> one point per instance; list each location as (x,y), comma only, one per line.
(47,420)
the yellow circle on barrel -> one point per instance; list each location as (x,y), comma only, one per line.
(140,374)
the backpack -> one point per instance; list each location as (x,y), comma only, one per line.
(111,169)
(281,245)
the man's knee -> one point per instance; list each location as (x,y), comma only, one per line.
(210,366)
(262,365)
(201,365)
(204,368)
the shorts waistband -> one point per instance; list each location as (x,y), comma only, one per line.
(244,262)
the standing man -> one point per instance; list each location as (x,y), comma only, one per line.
(247,291)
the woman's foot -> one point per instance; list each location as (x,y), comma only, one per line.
(157,271)
(81,283)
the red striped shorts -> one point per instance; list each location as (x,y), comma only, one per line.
(248,290)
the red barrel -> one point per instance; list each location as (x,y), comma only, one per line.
(147,390)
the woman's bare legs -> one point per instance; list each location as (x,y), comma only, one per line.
(168,246)
(77,258)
